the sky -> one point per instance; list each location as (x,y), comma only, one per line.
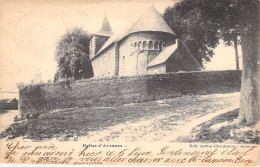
(30,30)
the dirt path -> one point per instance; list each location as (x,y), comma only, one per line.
(7,118)
(169,125)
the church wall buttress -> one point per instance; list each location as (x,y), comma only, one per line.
(116,58)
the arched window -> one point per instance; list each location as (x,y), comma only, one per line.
(150,45)
(139,45)
(135,46)
(156,45)
(145,45)
(163,45)
(160,45)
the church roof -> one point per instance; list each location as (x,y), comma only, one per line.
(185,60)
(163,56)
(106,28)
(14,100)
(151,20)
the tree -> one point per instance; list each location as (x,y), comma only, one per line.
(4,100)
(72,55)
(244,16)
(186,16)
(231,37)
(234,18)
(248,14)
(223,14)
(188,22)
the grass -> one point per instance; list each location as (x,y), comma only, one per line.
(3,111)
(226,131)
(69,124)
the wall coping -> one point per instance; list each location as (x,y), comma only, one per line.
(134,76)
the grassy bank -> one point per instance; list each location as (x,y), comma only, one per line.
(71,124)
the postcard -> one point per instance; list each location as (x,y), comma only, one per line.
(127,82)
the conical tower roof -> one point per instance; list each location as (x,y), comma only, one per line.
(106,28)
(151,20)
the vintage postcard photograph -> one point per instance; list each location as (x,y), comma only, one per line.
(130,82)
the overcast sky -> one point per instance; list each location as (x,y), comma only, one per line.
(30,29)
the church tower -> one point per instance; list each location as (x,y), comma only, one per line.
(100,37)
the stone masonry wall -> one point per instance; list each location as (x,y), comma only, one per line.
(38,99)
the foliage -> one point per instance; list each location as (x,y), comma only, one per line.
(4,100)
(190,24)
(200,24)
(31,89)
(72,56)
(227,20)
(32,98)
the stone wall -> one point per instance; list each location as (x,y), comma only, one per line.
(9,106)
(38,99)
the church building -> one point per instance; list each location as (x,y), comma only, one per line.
(149,46)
